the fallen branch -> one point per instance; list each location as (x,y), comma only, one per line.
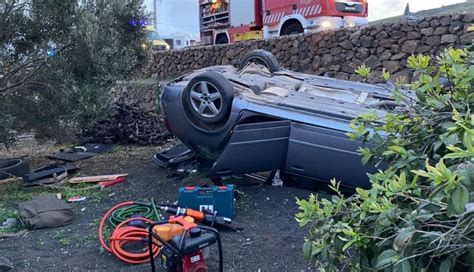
(12,235)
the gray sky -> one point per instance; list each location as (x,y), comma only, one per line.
(379,9)
(182,15)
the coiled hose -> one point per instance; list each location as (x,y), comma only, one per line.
(119,216)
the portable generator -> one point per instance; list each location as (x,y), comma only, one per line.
(182,244)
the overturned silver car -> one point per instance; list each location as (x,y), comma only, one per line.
(259,117)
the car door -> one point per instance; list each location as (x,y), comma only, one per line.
(253,148)
(324,154)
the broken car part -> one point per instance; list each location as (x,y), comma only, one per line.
(59,177)
(71,156)
(11,168)
(94,148)
(49,171)
(96,178)
(174,155)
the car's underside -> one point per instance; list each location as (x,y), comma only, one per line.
(256,119)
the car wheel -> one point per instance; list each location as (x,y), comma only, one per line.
(222,40)
(262,57)
(293,29)
(208,97)
(14,167)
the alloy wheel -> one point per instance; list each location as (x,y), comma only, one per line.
(206,99)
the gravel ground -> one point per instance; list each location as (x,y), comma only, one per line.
(271,240)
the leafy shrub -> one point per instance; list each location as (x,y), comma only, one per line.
(418,214)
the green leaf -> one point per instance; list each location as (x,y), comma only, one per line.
(386,258)
(363,71)
(348,245)
(325,253)
(385,75)
(470,257)
(403,266)
(366,159)
(459,199)
(363,193)
(403,238)
(446,265)
(307,249)
(467,140)
(421,96)
(459,155)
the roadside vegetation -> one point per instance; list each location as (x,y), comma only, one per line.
(418,214)
(58,60)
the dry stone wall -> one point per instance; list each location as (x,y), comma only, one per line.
(333,53)
(141,94)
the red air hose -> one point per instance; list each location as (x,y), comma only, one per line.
(124,234)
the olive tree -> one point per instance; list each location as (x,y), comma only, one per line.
(58,60)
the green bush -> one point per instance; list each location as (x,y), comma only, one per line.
(58,60)
(418,214)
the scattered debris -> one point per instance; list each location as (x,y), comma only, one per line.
(81,152)
(11,168)
(184,169)
(95,148)
(71,156)
(57,178)
(102,181)
(9,223)
(76,199)
(11,180)
(187,167)
(174,155)
(277,181)
(128,125)
(12,235)
(108,183)
(101,178)
(49,171)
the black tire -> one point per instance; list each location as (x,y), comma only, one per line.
(217,86)
(292,29)
(262,57)
(222,39)
(14,167)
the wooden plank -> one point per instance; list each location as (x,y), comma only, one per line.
(11,180)
(96,178)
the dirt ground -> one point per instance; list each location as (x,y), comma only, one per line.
(271,240)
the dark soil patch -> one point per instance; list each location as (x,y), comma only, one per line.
(271,240)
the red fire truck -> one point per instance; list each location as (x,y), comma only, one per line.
(227,21)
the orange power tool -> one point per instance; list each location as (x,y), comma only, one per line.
(208,218)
